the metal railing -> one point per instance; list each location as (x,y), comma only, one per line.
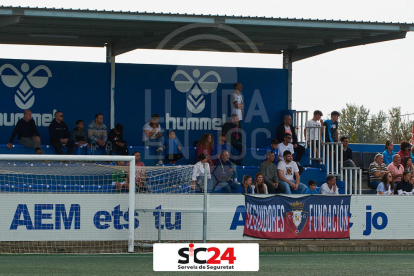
(353,179)
(334,158)
(315,146)
(299,121)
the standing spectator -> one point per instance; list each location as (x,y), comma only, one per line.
(331,134)
(97,134)
(329,188)
(27,133)
(313,135)
(198,175)
(225,173)
(312,188)
(396,168)
(407,165)
(348,162)
(287,127)
(246,187)
(404,187)
(220,146)
(386,187)
(173,149)
(260,186)
(116,138)
(285,145)
(404,149)
(59,135)
(80,138)
(376,170)
(237,103)
(388,152)
(139,172)
(288,173)
(269,171)
(233,130)
(152,135)
(206,145)
(273,148)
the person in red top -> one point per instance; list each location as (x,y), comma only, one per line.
(206,145)
(404,149)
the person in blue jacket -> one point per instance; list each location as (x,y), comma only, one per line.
(312,188)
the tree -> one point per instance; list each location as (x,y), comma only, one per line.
(400,128)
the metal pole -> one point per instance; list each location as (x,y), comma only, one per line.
(346,181)
(131,207)
(110,58)
(355,181)
(323,154)
(336,159)
(327,158)
(206,169)
(159,225)
(360,181)
(287,64)
(342,161)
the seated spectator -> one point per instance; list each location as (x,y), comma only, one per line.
(152,136)
(386,187)
(220,146)
(59,135)
(225,173)
(116,138)
(79,137)
(119,177)
(246,186)
(331,133)
(288,173)
(313,135)
(312,188)
(233,130)
(259,186)
(173,153)
(404,187)
(407,165)
(285,145)
(347,153)
(329,188)
(198,175)
(27,133)
(206,145)
(396,168)
(404,149)
(97,135)
(388,152)
(287,127)
(376,170)
(268,171)
(273,148)
(139,172)
(412,155)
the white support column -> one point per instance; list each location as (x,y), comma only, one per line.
(110,58)
(287,64)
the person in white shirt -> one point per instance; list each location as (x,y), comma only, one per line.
(329,188)
(198,175)
(286,144)
(152,135)
(313,135)
(237,103)
(288,173)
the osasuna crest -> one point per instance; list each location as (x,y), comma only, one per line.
(195,100)
(37,78)
(297,218)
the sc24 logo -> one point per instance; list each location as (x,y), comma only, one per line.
(228,255)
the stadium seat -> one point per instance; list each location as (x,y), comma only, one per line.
(367,159)
(356,157)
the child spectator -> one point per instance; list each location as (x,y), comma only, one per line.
(312,188)
(388,152)
(119,177)
(260,186)
(80,137)
(173,149)
(246,187)
(273,148)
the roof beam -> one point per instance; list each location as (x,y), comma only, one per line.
(9,20)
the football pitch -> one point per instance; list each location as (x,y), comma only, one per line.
(335,263)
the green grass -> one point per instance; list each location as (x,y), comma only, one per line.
(335,263)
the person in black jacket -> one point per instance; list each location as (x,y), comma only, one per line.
(118,143)
(59,135)
(287,127)
(233,131)
(27,133)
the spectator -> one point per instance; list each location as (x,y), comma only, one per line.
(268,170)
(285,145)
(59,135)
(27,133)
(237,103)
(376,170)
(198,175)
(347,153)
(407,165)
(312,188)
(206,145)
(404,149)
(116,138)
(119,177)
(260,186)
(233,129)
(246,187)
(388,152)
(80,138)
(97,135)
(139,172)
(173,149)
(386,187)
(220,146)
(404,187)
(331,134)
(225,173)
(287,127)
(313,135)
(273,148)
(288,173)
(152,135)
(396,168)
(329,188)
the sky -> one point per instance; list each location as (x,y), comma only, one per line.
(378,76)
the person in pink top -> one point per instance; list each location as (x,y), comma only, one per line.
(404,149)
(395,168)
(139,172)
